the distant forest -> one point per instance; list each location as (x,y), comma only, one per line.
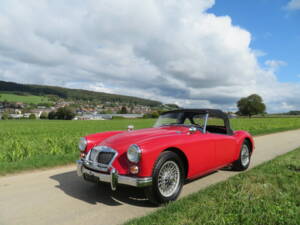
(73,94)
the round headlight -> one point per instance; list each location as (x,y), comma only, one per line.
(82,144)
(134,153)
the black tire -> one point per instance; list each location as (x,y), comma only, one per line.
(240,165)
(153,193)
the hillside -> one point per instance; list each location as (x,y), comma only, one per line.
(72,94)
(27,99)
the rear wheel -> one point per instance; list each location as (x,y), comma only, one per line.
(244,160)
(168,179)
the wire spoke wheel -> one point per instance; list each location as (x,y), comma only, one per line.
(168,178)
(245,155)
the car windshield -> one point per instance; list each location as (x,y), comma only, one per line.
(181,118)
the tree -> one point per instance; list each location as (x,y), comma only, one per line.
(32,116)
(44,116)
(123,110)
(251,105)
(5,116)
(65,113)
(51,115)
(154,114)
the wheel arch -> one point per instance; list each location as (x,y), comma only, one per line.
(182,156)
(249,141)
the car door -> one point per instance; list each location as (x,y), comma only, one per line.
(225,144)
(224,149)
(199,148)
(201,153)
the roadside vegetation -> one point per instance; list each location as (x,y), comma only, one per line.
(259,126)
(30,144)
(267,194)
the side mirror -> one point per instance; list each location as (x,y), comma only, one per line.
(130,128)
(192,130)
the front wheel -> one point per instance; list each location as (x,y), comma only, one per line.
(168,179)
(244,160)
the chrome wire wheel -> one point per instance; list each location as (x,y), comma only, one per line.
(245,155)
(168,178)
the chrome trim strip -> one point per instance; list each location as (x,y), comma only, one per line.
(113,178)
(136,182)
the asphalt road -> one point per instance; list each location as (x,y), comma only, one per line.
(58,196)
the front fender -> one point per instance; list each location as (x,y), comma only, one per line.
(152,150)
(96,139)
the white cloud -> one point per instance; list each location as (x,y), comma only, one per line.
(168,50)
(259,53)
(275,64)
(293,5)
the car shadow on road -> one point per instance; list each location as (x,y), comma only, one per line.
(93,193)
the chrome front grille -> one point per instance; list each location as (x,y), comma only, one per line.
(105,157)
(100,158)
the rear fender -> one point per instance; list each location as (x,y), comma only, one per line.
(241,136)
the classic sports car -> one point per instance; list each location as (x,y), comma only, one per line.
(183,145)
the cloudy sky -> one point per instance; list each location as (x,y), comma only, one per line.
(196,53)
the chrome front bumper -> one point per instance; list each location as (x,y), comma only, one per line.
(113,177)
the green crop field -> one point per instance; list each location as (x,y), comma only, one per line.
(29,144)
(23,98)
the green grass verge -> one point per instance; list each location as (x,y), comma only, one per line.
(37,162)
(24,141)
(267,194)
(259,126)
(23,98)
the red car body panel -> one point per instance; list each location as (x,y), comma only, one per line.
(204,152)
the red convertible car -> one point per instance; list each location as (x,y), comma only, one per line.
(183,145)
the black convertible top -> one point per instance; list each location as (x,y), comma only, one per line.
(211,112)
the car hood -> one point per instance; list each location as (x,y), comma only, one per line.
(122,141)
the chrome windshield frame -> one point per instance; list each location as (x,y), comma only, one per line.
(205,123)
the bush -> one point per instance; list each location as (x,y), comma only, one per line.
(44,116)
(51,115)
(153,114)
(123,110)
(65,113)
(32,116)
(5,116)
